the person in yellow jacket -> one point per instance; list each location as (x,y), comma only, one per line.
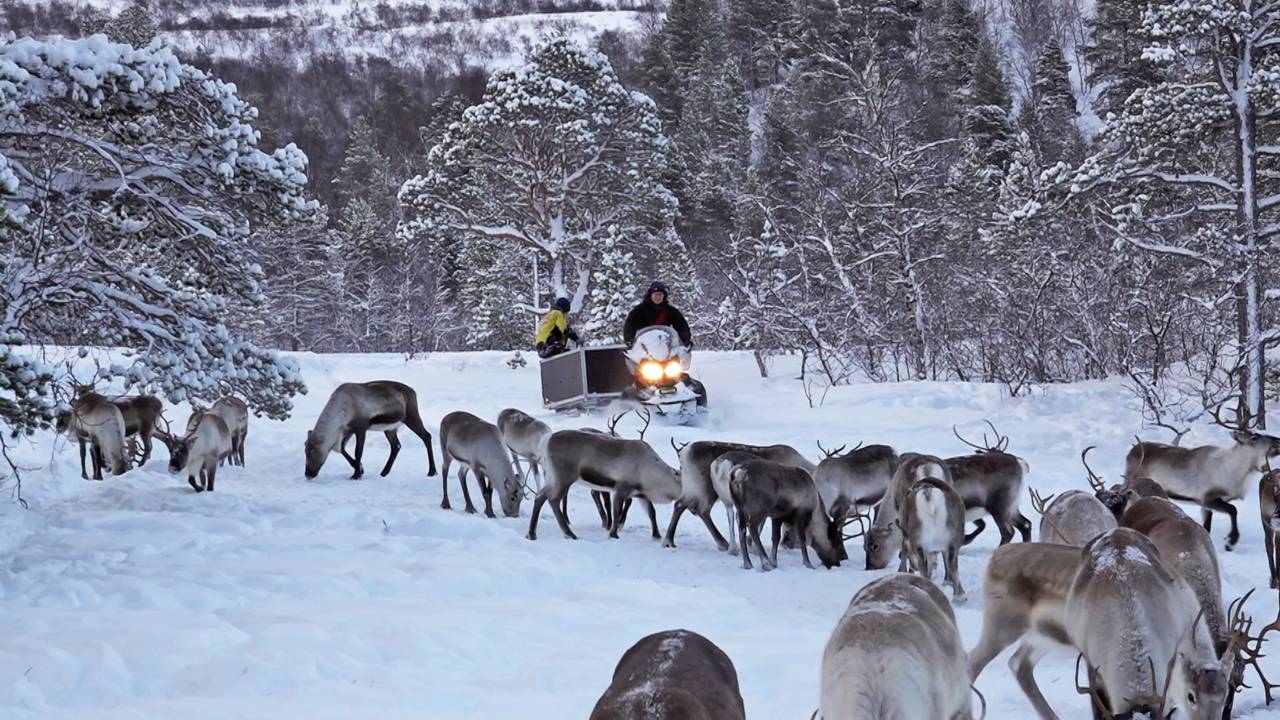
(554,331)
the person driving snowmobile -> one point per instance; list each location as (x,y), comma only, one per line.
(655,310)
(554,331)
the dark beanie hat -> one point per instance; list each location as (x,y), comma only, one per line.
(657,286)
(562,304)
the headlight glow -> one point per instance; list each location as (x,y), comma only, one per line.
(674,369)
(651,371)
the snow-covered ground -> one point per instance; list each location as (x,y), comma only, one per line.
(276,597)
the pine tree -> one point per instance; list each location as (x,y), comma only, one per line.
(1116,54)
(613,291)
(1049,112)
(365,173)
(986,119)
(133,26)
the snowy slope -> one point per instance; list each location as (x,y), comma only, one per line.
(280,598)
(452,34)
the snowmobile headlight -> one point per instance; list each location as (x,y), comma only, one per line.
(674,369)
(651,371)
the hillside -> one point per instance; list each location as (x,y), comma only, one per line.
(449,35)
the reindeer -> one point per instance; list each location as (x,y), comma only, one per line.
(522,434)
(355,409)
(896,653)
(884,539)
(235,414)
(672,674)
(698,494)
(1072,518)
(1121,607)
(858,477)
(478,445)
(140,413)
(932,523)
(1269,508)
(991,480)
(97,423)
(1187,548)
(198,453)
(786,495)
(1208,475)
(721,474)
(621,466)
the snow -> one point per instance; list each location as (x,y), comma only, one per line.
(275,597)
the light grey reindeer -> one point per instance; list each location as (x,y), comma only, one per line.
(860,476)
(1072,518)
(621,466)
(478,445)
(355,409)
(884,540)
(896,653)
(235,414)
(523,435)
(698,493)
(1269,510)
(1209,475)
(196,454)
(675,674)
(766,490)
(932,524)
(97,423)
(1186,547)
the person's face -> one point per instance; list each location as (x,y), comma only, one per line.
(657,296)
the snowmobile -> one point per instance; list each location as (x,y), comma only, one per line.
(659,363)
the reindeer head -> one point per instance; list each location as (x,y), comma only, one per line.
(882,543)
(179,452)
(316,452)
(1198,680)
(510,489)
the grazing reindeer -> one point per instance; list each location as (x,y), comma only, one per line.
(674,675)
(622,466)
(96,422)
(1269,508)
(884,539)
(140,413)
(522,434)
(355,409)
(235,414)
(1137,626)
(721,474)
(763,489)
(991,480)
(1072,518)
(198,453)
(858,477)
(697,493)
(1208,475)
(932,524)
(1187,548)
(896,653)
(477,444)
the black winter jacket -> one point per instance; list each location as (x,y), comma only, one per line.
(646,314)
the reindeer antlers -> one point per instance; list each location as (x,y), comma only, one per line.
(1002,441)
(1217,418)
(648,418)
(860,518)
(613,424)
(678,448)
(1095,480)
(1039,502)
(828,454)
(1248,647)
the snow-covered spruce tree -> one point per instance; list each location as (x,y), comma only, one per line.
(132,26)
(1049,112)
(556,153)
(1198,144)
(1114,55)
(613,291)
(130,183)
(301,299)
(365,173)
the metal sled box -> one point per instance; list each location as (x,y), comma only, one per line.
(584,377)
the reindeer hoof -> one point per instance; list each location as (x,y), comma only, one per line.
(444,505)
(489,514)
(669,544)
(431,472)
(471,510)
(530,536)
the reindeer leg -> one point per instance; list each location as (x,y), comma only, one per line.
(446,458)
(466,494)
(951,574)
(653,517)
(1221,505)
(743,542)
(1005,527)
(978,526)
(1023,664)
(602,500)
(733,536)
(669,540)
(1023,525)
(359,466)
(705,516)
(621,494)
(146,448)
(998,633)
(413,421)
(1269,541)
(84,475)
(395,450)
(776,529)
(486,489)
(561,516)
(765,566)
(538,500)
(804,545)
(626,508)
(210,474)
(196,481)
(96,453)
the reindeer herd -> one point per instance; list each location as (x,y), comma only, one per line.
(1121,574)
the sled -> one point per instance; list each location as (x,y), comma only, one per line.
(584,378)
